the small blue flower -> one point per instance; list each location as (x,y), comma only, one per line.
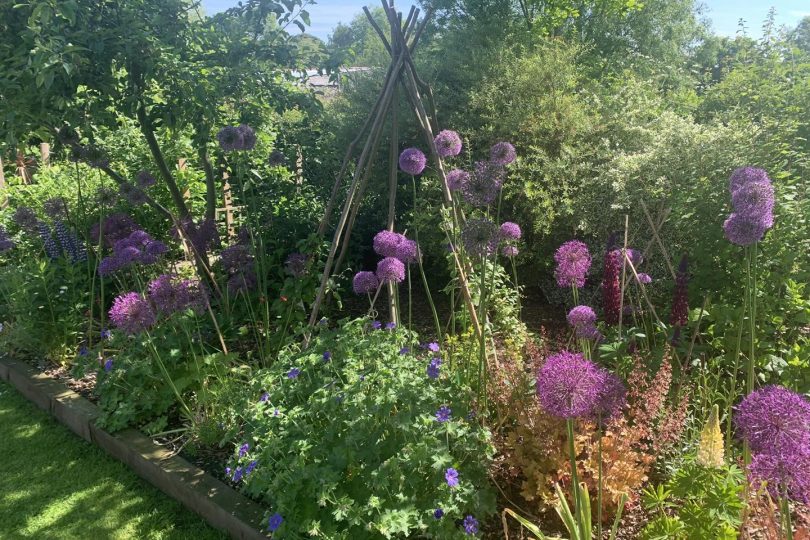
(376,325)
(237,474)
(108,365)
(390,325)
(228,472)
(244,449)
(251,466)
(276,412)
(327,356)
(433,346)
(443,414)
(265,398)
(83,351)
(404,350)
(451,476)
(433,368)
(293,373)
(274,522)
(438,513)
(470,525)
(105,334)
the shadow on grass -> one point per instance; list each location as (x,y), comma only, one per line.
(56,486)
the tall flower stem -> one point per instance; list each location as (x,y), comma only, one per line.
(482,340)
(572,455)
(784,509)
(517,287)
(439,334)
(600,480)
(751,269)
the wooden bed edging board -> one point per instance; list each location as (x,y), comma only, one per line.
(218,504)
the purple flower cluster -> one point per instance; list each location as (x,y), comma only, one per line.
(132,313)
(274,522)
(572,264)
(6,243)
(296,264)
(241,137)
(752,200)
(51,248)
(448,143)
(456,179)
(365,282)
(202,235)
(443,414)
(171,294)
(396,245)
(114,227)
(237,261)
(470,525)
(434,368)
(25,218)
(451,477)
(137,248)
(133,194)
(483,185)
(502,153)
(569,386)
(480,237)
(412,161)
(390,270)
(776,424)
(583,320)
(73,247)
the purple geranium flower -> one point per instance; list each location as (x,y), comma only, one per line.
(438,513)
(443,414)
(274,522)
(433,368)
(293,373)
(451,476)
(470,525)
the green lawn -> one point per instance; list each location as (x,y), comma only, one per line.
(54,485)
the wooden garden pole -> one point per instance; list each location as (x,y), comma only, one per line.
(3,192)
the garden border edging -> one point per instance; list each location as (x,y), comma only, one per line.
(219,505)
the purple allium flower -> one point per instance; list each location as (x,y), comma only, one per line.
(480,237)
(55,208)
(432,346)
(743,230)
(202,235)
(365,282)
(376,325)
(243,282)
(230,138)
(451,476)
(611,288)
(744,176)
(754,199)
(569,386)
(274,522)
(114,227)
(644,278)
(774,420)
(327,356)
(438,513)
(133,194)
(132,313)
(502,153)
(786,472)
(510,231)
(412,161)
(293,373)
(144,179)
(248,137)
(470,525)
(108,365)
(448,143)
(407,251)
(244,449)
(171,294)
(483,185)
(6,243)
(456,179)
(581,316)
(636,257)
(387,243)
(434,367)
(26,219)
(680,297)
(390,270)
(573,262)
(235,258)
(443,414)
(509,251)
(296,264)
(612,398)
(591,333)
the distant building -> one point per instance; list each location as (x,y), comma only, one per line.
(329,85)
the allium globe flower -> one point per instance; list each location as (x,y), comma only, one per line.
(390,270)
(171,294)
(456,179)
(774,420)
(581,316)
(635,256)
(365,282)
(448,143)
(407,251)
(502,153)
(386,243)
(612,398)
(483,185)
(509,251)
(26,219)
(573,262)
(480,237)
(248,137)
(743,230)
(114,227)
(784,472)
(746,175)
(132,313)
(755,200)
(412,161)
(144,179)
(510,231)
(569,386)
(296,264)
(230,138)
(276,158)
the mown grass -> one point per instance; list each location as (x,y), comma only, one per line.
(53,485)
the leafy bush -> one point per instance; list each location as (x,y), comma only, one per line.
(348,444)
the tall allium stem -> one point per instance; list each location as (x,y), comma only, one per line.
(751,268)
(482,340)
(572,456)
(784,510)
(410,299)
(517,287)
(575,294)
(439,335)
(600,483)
(732,397)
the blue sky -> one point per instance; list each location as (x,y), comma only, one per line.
(724,14)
